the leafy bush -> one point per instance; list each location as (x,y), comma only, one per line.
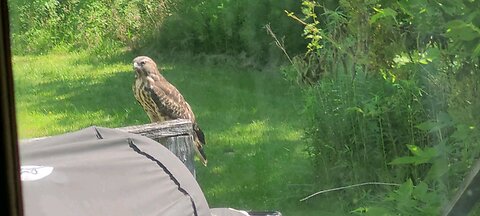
(234,28)
(391,91)
(39,26)
(357,128)
(408,199)
(218,27)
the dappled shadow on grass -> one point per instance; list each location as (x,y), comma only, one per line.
(250,118)
(106,101)
(101,60)
(260,166)
(253,131)
(112,95)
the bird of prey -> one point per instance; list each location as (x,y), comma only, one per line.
(162,101)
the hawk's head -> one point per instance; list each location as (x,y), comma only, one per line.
(144,66)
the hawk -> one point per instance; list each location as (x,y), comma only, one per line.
(162,101)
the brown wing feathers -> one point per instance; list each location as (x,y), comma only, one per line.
(162,101)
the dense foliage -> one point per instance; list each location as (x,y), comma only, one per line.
(217,28)
(231,27)
(392,91)
(38,26)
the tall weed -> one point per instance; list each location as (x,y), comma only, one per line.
(357,128)
(392,91)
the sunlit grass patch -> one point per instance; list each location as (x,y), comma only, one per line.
(250,118)
(57,93)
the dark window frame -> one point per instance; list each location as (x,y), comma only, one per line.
(10,185)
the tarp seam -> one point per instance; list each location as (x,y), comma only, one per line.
(136,149)
(97,133)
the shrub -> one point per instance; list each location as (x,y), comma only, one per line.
(38,26)
(391,91)
(234,28)
(358,127)
(218,27)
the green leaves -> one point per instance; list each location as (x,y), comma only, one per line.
(417,199)
(427,54)
(408,199)
(403,195)
(462,31)
(465,37)
(428,154)
(373,211)
(431,54)
(311,30)
(383,13)
(443,121)
(420,156)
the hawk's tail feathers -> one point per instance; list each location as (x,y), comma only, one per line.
(201,153)
(200,142)
(199,133)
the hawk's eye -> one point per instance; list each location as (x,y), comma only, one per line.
(142,63)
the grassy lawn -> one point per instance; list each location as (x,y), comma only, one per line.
(251,120)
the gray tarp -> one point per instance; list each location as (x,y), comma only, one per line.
(100,171)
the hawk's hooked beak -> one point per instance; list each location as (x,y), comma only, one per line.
(136,66)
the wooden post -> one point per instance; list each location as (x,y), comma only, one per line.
(182,147)
(176,135)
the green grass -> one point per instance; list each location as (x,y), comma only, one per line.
(251,119)
(62,92)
